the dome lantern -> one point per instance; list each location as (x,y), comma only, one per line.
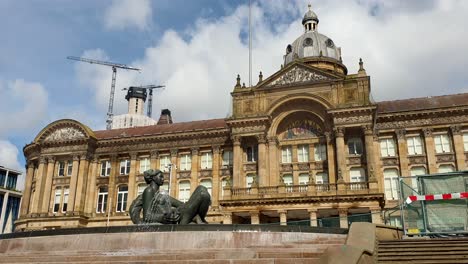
(310,20)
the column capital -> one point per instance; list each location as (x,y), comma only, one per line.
(339,131)
(343,211)
(133,155)
(401,134)
(368,131)
(328,136)
(236,140)
(282,211)
(272,140)
(95,159)
(42,159)
(30,164)
(314,210)
(456,129)
(427,132)
(194,151)
(174,152)
(86,156)
(154,154)
(261,138)
(216,149)
(113,158)
(51,159)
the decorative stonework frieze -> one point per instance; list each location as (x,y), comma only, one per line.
(298,75)
(183,175)
(427,132)
(341,120)
(102,180)
(225,172)
(303,166)
(319,165)
(355,160)
(122,179)
(206,173)
(456,129)
(250,167)
(445,157)
(390,161)
(339,131)
(418,122)
(417,159)
(286,167)
(174,152)
(66,133)
(401,134)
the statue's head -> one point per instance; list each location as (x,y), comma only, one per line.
(154,175)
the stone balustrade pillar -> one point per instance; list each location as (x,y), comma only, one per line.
(227,218)
(343,212)
(313,217)
(283,217)
(255,217)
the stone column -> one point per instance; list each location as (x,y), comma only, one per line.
(115,170)
(273,161)
(27,190)
(227,218)
(330,158)
(132,179)
(215,176)
(370,152)
(154,160)
(283,217)
(173,190)
(91,192)
(313,217)
(343,217)
(254,217)
(430,150)
(458,147)
(39,189)
(73,181)
(194,170)
(81,183)
(403,152)
(341,154)
(48,184)
(376,215)
(237,161)
(262,158)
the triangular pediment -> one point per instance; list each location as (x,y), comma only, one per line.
(297,74)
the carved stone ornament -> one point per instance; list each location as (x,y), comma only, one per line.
(390,161)
(303,166)
(354,160)
(417,160)
(318,165)
(298,75)
(184,175)
(339,131)
(216,149)
(205,173)
(250,167)
(286,167)
(427,132)
(418,122)
(456,129)
(445,158)
(62,134)
(401,134)
(352,119)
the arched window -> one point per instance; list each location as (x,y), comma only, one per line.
(446,168)
(102,200)
(122,196)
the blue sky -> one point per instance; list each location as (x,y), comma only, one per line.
(196,48)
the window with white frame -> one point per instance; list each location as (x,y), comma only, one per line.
(391,184)
(355,146)
(286,154)
(227,158)
(446,168)
(442,143)
(124,167)
(208,184)
(303,153)
(61,168)
(415,171)
(57,198)
(102,200)
(321,178)
(387,147)
(249,180)
(66,192)
(185,162)
(206,160)
(164,162)
(141,189)
(122,196)
(304,179)
(184,191)
(465,141)
(288,179)
(395,221)
(105,168)
(415,145)
(144,164)
(320,152)
(357,175)
(252,153)
(69,168)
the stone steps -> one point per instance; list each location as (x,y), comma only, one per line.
(203,261)
(424,251)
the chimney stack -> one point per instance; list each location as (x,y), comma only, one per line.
(165,117)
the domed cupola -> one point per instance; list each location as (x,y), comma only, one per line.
(314,48)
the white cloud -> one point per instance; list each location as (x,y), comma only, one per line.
(23,108)
(123,14)
(409,51)
(9,156)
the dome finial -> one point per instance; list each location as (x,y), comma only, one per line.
(310,7)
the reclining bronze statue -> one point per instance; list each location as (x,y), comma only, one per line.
(160,208)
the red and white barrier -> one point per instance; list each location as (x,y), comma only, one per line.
(432,197)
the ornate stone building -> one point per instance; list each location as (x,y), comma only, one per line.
(306,144)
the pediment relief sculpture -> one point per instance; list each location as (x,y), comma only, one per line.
(298,75)
(66,133)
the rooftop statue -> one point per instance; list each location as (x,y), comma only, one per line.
(160,208)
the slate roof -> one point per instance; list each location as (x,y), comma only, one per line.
(423,103)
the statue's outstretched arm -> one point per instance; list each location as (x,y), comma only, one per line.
(175,203)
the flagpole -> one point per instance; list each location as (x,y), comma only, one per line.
(250,43)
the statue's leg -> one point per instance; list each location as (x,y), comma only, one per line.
(198,204)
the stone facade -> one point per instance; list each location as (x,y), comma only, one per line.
(306,144)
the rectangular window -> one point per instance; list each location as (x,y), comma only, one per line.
(69,168)
(303,153)
(122,196)
(58,194)
(442,143)
(465,141)
(227,158)
(288,179)
(391,184)
(415,146)
(11,181)
(208,184)
(320,152)
(65,200)
(105,168)
(321,178)
(144,164)
(357,175)
(207,160)
(61,168)
(223,184)
(252,153)
(286,154)
(304,179)
(184,191)
(387,147)
(2,177)
(102,200)
(415,171)
(124,167)
(164,162)
(249,180)
(355,146)
(186,162)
